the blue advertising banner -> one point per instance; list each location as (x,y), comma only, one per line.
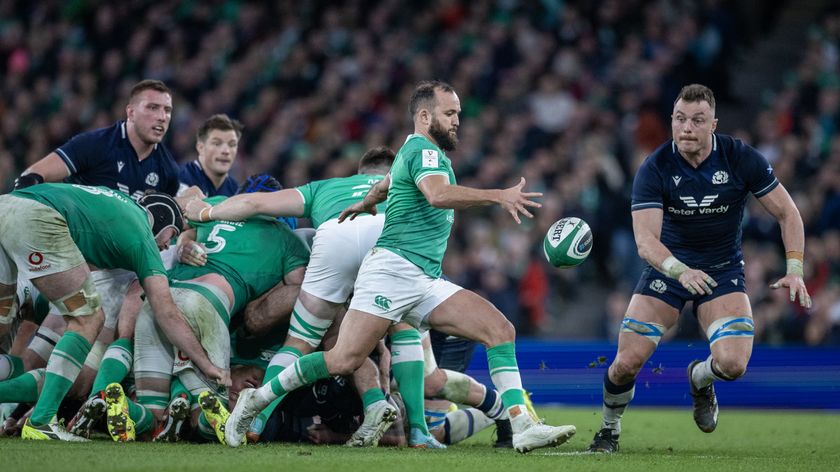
(777,377)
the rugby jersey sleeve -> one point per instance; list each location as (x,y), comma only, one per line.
(755,170)
(647,187)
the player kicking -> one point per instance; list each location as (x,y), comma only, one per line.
(688,203)
(399,279)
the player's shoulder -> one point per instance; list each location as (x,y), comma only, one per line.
(661,158)
(416,143)
(732,146)
(188,172)
(98,137)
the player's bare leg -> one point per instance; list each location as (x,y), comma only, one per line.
(470,316)
(727,322)
(646,321)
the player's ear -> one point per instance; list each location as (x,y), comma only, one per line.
(714,125)
(425,116)
(199,146)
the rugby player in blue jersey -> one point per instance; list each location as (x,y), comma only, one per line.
(128,156)
(687,206)
(217,142)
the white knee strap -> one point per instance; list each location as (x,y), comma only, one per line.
(306,326)
(44,342)
(457,387)
(650,331)
(429,361)
(87,298)
(738,326)
(9,305)
(94,357)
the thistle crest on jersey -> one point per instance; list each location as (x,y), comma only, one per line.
(567,242)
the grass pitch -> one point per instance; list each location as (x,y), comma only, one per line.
(652,439)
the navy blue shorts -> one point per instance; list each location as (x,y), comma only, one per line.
(451,353)
(658,285)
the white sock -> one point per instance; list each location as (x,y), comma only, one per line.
(703,375)
(461,424)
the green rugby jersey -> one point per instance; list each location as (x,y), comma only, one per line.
(414,228)
(252,255)
(324,200)
(108,227)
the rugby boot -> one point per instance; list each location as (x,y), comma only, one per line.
(604,441)
(705,403)
(379,417)
(215,413)
(92,410)
(119,423)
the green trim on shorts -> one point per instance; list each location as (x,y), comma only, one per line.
(205,292)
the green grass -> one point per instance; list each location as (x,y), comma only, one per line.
(651,439)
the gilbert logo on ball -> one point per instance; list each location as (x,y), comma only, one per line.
(567,242)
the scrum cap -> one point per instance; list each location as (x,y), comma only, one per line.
(163,211)
(260,183)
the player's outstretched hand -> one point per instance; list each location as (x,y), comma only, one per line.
(697,282)
(192,253)
(194,208)
(796,285)
(355,210)
(515,201)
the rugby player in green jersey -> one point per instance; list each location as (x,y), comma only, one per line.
(245,259)
(337,253)
(400,278)
(49,234)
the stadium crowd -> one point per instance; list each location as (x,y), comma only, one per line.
(572,95)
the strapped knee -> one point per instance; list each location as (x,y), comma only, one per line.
(8,309)
(651,331)
(306,326)
(738,326)
(457,387)
(85,302)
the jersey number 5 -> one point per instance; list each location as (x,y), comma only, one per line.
(219,241)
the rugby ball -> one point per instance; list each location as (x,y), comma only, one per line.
(567,242)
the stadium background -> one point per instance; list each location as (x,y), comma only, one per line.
(570,94)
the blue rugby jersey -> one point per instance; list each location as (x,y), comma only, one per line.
(703,207)
(191,174)
(105,157)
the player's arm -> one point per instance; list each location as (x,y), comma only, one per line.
(376,195)
(286,202)
(441,194)
(647,229)
(172,322)
(276,305)
(51,168)
(779,204)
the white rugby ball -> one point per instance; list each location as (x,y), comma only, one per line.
(567,242)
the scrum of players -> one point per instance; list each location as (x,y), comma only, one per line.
(158,341)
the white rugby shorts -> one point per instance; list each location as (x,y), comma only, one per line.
(338,250)
(391,287)
(34,241)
